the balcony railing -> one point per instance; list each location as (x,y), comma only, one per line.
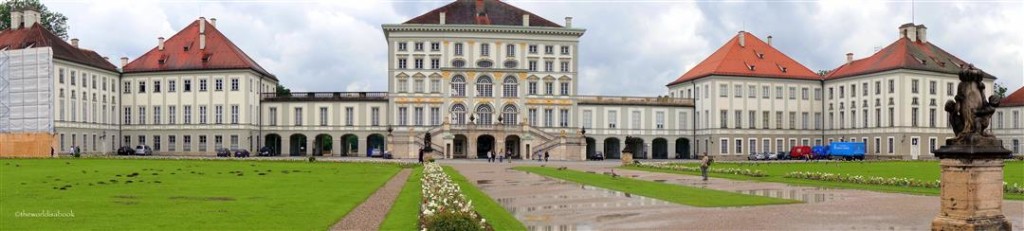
(327,96)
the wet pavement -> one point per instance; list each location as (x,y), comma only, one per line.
(546,204)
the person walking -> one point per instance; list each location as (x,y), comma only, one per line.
(705,163)
(546,155)
(490,157)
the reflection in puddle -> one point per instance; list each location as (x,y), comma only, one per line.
(805,195)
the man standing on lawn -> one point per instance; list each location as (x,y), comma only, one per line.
(705,162)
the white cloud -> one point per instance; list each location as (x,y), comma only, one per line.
(630,48)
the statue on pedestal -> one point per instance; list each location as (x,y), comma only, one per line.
(970,113)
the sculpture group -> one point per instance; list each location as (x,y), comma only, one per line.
(970,114)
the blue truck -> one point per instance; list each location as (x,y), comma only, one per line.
(846,150)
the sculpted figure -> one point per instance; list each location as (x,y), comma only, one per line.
(971,113)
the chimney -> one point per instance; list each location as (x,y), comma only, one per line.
(124,62)
(743,39)
(202,25)
(526,20)
(160,43)
(568,22)
(74,42)
(849,58)
(202,33)
(922,33)
(909,31)
(769,40)
(31,17)
(16,19)
(213,21)
(442,19)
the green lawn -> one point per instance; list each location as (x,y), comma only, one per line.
(685,195)
(921,170)
(112,194)
(404,214)
(497,216)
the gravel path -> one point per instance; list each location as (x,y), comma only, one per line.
(370,214)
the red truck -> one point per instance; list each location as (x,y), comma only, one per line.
(800,152)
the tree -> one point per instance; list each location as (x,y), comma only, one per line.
(999,90)
(283,91)
(53,21)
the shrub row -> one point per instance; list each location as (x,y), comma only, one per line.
(444,207)
(893,181)
(734,171)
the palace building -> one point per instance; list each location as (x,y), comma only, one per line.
(477,76)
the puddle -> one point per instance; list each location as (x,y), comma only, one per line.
(805,195)
(483,182)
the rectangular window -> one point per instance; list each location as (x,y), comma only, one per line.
(458,49)
(234,141)
(1016,119)
(549,66)
(142,86)
(202,143)
(417,86)
(435,64)
(202,85)
(892,146)
(804,120)
(218,114)
(186,143)
(298,116)
(375,116)
(949,89)
(739,119)
(172,114)
(765,117)
(792,120)
(723,90)
(171,143)
(218,142)
(156,86)
(272,117)
(549,49)
(234,84)
(349,116)
(587,119)
(804,93)
(187,87)
(752,93)
(792,92)
(418,116)
(913,117)
(724,121)
(156,114)
(418,63)
(564,66)
(434,46)
(171,86)
(435,116)
(564,90)
(187,114)
(549,117)
(565,50)
(931,87)
(533,117)
(778,92)
(142,115)
(435,86)
(892,116)
(234,114)
(485,49)
(532,88)
(156,143)
(739,91)
(549,88)
(510,50)
(752,119)
(533,49)
(865,89)
(817,121)
(765,92)
(683,121)
(563,118)
(739,146)
(218,85)
(778,120)
(403,116)
(725,146)
(323,116)
(403,63)
(913,86)
(127,115)
(931,117)
(402,46)
(418,46)
(613,119)
(532,65)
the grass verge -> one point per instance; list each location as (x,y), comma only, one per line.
(404,214)
(146,194)
(921,170)
(679,194)
(497,216)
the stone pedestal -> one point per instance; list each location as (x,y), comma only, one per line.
(972,188)
(627,158)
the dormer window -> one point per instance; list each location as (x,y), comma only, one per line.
(206,57)
(759,54)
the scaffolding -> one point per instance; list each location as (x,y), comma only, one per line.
(26,90)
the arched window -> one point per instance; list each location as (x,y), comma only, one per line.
(458,114)
(484,87)
(511,87)
(483,114)
(458,86)
(509,113)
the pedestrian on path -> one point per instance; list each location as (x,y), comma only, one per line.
(546,155)
(705,163)
(490,157)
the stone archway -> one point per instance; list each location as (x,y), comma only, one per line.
(273,141)
(297,144)
(612,148)
(322,145)
(375,145)
(639,151)
(659,148)
(459,144)
(512,146)
(591,148)
(484,143)
(349,145)
(683,148)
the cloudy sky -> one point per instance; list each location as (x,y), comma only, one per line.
(630,47)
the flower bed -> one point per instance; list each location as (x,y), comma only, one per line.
(893,181)
(734,171)
(444,207)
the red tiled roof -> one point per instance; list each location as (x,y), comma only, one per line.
(481,12)
(37,36)
(902,54)
(735,60)
(220,53)
(1015,99)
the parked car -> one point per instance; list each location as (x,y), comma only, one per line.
(266,151)
(800,152)
(757,156)
(143,150)
(597,156)
(784,155)
(241,153)
(771,156)
(223,152)
(125,150)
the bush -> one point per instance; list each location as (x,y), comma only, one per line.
(451,221)
(312,159)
